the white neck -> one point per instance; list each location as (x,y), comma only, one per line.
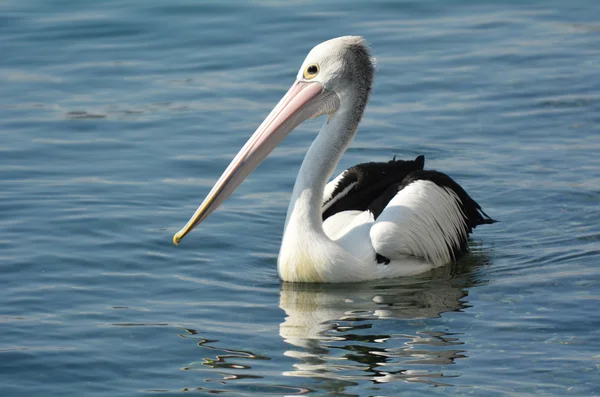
(317,167)
(305,246)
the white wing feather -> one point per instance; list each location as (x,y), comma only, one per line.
(422,220)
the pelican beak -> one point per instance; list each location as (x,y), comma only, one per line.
(303,101)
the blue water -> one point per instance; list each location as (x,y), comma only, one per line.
(116,117)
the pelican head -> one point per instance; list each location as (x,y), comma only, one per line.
(332,73)
(342,65)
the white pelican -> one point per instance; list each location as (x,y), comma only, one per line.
(374,220)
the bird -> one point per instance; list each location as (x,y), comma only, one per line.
(375,220)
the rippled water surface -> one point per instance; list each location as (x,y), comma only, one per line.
(116,117)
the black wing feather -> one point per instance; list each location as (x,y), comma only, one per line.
(378,183)
(373,180)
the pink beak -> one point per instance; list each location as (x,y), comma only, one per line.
(302,101)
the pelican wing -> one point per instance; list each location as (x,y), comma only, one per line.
(426,215)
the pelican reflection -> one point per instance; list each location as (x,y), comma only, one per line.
(379,331)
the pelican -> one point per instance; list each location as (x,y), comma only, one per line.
(375,220)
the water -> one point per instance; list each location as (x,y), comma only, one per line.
(116,117)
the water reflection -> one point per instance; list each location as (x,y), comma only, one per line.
(223,361)
(342,335)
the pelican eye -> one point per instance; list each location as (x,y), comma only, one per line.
(311,71)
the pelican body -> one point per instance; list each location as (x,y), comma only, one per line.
(374,220)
